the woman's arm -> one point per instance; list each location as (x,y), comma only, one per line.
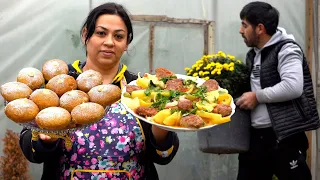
(162,145)
(38,151)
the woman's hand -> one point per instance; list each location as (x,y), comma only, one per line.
(47,139)
(159,134)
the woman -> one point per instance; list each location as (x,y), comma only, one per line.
(118,146)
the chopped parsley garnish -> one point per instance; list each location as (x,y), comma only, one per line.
(189,82)
(200,92)
(161,101)
(151,87)
(175,94)
(165,79)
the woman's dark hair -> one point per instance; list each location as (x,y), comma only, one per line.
(107,8)
(261,13)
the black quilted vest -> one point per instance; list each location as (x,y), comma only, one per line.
(292,116)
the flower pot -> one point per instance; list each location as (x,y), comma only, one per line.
(229,138)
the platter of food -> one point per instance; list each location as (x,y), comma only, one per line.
(178,102)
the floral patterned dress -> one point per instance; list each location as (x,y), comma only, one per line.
(108,149)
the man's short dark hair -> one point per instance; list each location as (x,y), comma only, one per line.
(261,13)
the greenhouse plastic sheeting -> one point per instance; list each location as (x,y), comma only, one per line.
(33,31)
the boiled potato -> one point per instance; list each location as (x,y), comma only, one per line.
(142,82)
(165,93)
(205,106)
(221,120)
(211,118)
(161,115)
(225,99)
(212,96)
(145,103)
(172,119)
(155,80)
(204,114)
(208,115)
(131,103)
(139,94)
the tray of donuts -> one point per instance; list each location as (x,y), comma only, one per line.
(51,101)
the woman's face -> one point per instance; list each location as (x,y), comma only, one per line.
(108,42)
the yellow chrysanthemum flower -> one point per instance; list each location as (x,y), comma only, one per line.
(230,57)
(213,72)
(206,73)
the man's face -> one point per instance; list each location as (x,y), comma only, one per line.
(248,32)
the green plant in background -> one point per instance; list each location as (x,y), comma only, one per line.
(231,74)
(274,177)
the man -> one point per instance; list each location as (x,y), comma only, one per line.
(281,99)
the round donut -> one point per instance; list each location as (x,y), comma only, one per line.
(105,94)
(31,77)
(44,98)
(15,90)
(21,110)
(87,113)
(54,67)
(53,118)
(61,84)
(73,98)
(88,80)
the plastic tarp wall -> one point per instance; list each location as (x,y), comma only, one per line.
(34,31)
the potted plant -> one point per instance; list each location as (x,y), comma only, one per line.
(231,74)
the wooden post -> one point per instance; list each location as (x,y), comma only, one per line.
(205,38)
(90,5)
(151,47)
(211,32)
(208,38)
(309,55)
(208,31)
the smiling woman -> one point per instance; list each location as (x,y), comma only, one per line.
(119,146)
(106,38)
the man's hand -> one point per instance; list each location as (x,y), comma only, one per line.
(248,100)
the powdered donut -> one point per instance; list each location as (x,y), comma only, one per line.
(105,94)
(31,77)
(61,84)
(54,67)
(21,110)
(44,98)
(87,113)
(88,80)
(15,90)
(53,118)
(73,98)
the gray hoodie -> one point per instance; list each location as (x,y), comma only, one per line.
(291,86)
